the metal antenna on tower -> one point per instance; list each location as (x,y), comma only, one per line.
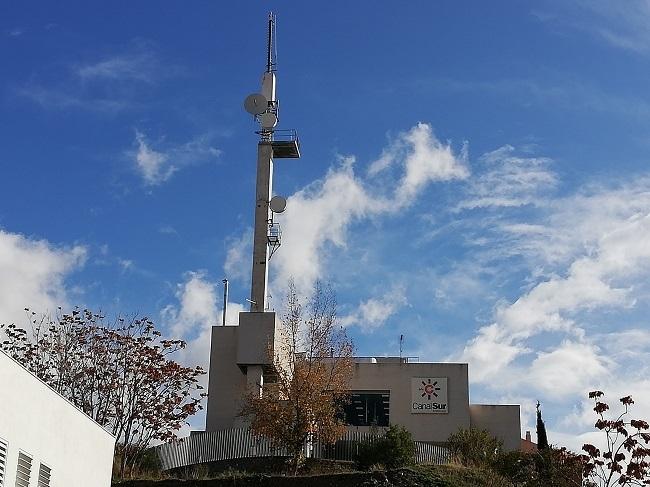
(271,53)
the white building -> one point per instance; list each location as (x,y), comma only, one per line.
(45,441)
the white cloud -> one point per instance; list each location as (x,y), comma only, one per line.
(125,264)
(139,64)
(109,84)
(197,310)
(622,24)
(33,274)
(509,181)
(375,312)
(576,426)
(427,160)
(56,98)
(551,305)
(154,166)
(556,339)
(423,159)
(464,282)
(549,369)
(238,257)
(167,230)
(197,305)
(320,214)
(158,165)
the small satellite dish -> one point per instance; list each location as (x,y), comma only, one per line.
(278,204)
(268,120)
(256,104)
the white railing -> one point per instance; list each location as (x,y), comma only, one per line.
(237,443)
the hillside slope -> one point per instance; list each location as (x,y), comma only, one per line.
(425,476)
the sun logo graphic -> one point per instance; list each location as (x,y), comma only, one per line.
(429,389)
(429,395)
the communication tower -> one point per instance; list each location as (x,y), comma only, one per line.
(273,144)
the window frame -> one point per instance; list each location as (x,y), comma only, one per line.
(379,418)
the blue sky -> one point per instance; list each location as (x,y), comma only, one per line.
(474,176)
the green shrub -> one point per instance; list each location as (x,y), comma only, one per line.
(551,467)
(392,450)
(474,448)
(520,467)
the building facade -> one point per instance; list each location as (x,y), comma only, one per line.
(45,441)
(431,400)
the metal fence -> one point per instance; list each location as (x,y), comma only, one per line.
(227,444)
(238,443)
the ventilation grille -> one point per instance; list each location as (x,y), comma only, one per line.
(43,476)
(24,470)
(3,461)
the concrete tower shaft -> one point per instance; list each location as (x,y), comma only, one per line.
(263,191)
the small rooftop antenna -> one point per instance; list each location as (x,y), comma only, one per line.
(401,342)
(225,301)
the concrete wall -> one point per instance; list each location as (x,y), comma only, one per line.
(226,382)
(39,422)
(239,352)
(239,356)
(396,378)
(256,334)
(503,421)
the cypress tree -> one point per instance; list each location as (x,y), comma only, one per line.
(542,440)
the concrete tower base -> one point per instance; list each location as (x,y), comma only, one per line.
(239,355)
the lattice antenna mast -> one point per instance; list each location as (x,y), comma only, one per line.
(271,47)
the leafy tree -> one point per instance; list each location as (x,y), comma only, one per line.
(120,374)
(626,458)
(474,447)
(542,439)
(312,359)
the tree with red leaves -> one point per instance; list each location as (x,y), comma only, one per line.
(626,459)
(119,374)
(313,363)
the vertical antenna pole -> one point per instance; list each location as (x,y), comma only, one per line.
(270,65)
(225,301)
(401,341)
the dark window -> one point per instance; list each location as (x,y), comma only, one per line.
(367,409)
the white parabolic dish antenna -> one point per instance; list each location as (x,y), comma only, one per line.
(278,204)
(268,120)
(256,104)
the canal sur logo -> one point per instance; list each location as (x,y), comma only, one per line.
(429,395)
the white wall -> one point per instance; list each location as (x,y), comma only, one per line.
(38,421)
